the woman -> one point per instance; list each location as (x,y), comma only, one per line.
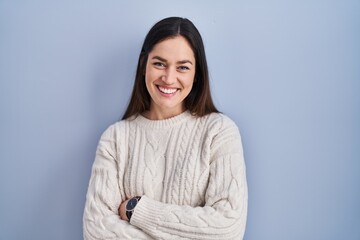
(173,167)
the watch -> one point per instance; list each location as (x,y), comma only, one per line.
(130,206)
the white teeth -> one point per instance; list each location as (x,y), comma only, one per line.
(167,90)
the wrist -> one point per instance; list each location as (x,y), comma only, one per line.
(130,206)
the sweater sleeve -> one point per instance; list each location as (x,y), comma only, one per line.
(225,211)
(101,219)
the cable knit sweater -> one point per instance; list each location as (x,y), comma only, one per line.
(189,170)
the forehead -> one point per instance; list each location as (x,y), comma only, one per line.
(177,48)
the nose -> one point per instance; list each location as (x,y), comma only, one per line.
(169,77)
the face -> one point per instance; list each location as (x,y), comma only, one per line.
(169,76)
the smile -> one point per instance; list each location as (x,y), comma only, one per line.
(167,90)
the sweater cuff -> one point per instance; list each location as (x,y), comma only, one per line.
(147,214)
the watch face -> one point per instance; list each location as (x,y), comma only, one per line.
(131,204)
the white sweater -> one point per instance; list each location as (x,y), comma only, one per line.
(189,170)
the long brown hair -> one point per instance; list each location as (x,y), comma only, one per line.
(199,101)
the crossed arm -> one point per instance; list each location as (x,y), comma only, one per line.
(222,217)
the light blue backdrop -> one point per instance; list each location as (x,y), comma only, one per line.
(288,73)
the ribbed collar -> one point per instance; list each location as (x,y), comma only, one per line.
(165,123)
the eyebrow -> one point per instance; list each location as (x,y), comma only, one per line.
(179,62)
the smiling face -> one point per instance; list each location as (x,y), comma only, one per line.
(169,77)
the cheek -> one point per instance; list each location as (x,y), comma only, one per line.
(148,76)
(151,74)
(189,81)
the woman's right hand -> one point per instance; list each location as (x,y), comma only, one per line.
(122,210)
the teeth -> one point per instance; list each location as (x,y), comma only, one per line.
(167,90)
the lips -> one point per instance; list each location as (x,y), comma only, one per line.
(167,90)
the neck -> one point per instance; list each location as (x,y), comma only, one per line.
(154,114)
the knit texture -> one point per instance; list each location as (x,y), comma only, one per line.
(189,170)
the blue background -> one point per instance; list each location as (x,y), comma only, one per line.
(287,72)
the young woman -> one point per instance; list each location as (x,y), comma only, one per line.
(173,167)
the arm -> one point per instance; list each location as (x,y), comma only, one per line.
(224,214)
(101,219)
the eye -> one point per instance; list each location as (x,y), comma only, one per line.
(183,68)
(159,65)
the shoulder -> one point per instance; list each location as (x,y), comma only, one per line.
(219,122)
(220,117)
(223,135)
(113,136)
(114,130)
